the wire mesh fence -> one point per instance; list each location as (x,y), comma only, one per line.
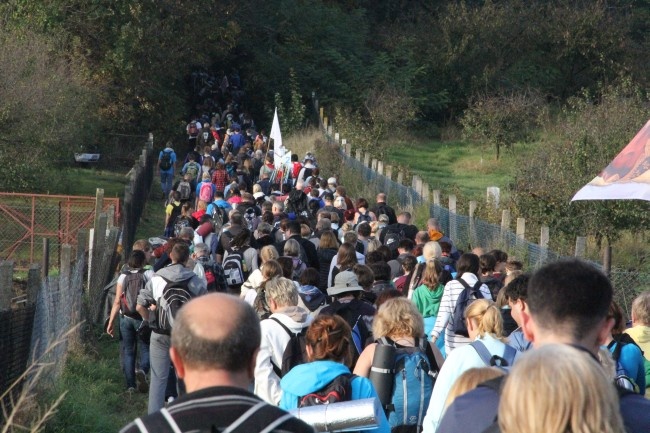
(468,232)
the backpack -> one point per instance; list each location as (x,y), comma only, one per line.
(622,378)
(360,332)
(175,213)
(501,362)
(234,267)
(185,190)
(219,218)
(338,390)
(414,375)
(294,353)
(193,170)
(131,286)
(296,202)
(180,224)
(165,162)
(175,294)
(464,299)
(214,277)
(205,192)
(365,218)
(251,218)
(393,237)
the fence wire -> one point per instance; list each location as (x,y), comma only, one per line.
(469,233)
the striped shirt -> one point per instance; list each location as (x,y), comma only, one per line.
(222,409)
(450,295)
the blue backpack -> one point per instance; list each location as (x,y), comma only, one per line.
(414,375)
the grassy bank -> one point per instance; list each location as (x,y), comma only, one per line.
(96,398)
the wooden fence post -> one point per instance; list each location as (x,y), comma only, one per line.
(33,282)
(400,177)
(366,159)
(425,193)
(505,226)
(543,244)
(358,155)
(472,224)
(380,167)
(99,203)
(65,265)
(45,267)
(6,285)
(521,228)
(389,172)
(581,246)
(436,197)
(452,217)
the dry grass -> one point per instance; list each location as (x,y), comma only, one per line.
(23,413)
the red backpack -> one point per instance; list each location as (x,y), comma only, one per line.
(205,193)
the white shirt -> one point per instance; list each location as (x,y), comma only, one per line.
(457,362)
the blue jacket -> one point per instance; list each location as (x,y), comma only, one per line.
(631,359)
(306,378)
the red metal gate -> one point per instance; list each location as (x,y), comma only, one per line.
(25,219)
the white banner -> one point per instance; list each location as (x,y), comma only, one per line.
(626,177)
(276,135)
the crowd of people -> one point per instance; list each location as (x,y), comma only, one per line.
(272,289)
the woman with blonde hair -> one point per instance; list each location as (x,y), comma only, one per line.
(470,380)
(254,280)
(398,320)
(399,324)
(488,348)
(557,389)
(328,347)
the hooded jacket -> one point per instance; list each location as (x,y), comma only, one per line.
(152,291)
(313,376)
(274,342)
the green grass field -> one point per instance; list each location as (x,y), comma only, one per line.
(457,166)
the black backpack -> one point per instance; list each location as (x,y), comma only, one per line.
(361,335)
(165,160)
(393,237)
(174,296)
(464,299)
(131,286)
(338,390)
(294,353)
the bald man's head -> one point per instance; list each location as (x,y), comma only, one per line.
(216,331)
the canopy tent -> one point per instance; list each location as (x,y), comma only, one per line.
(626,177)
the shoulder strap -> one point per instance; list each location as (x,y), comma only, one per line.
(482,351)
(509,354)
(287,330)
(429,354)
(463,282)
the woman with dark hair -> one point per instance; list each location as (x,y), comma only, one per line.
(327,249)
(363,214)
(329,353)
(346,258)
(131,321)
(467,269)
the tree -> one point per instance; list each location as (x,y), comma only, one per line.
(596,127)
(503,120)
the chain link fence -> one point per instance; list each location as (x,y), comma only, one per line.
(468,232)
